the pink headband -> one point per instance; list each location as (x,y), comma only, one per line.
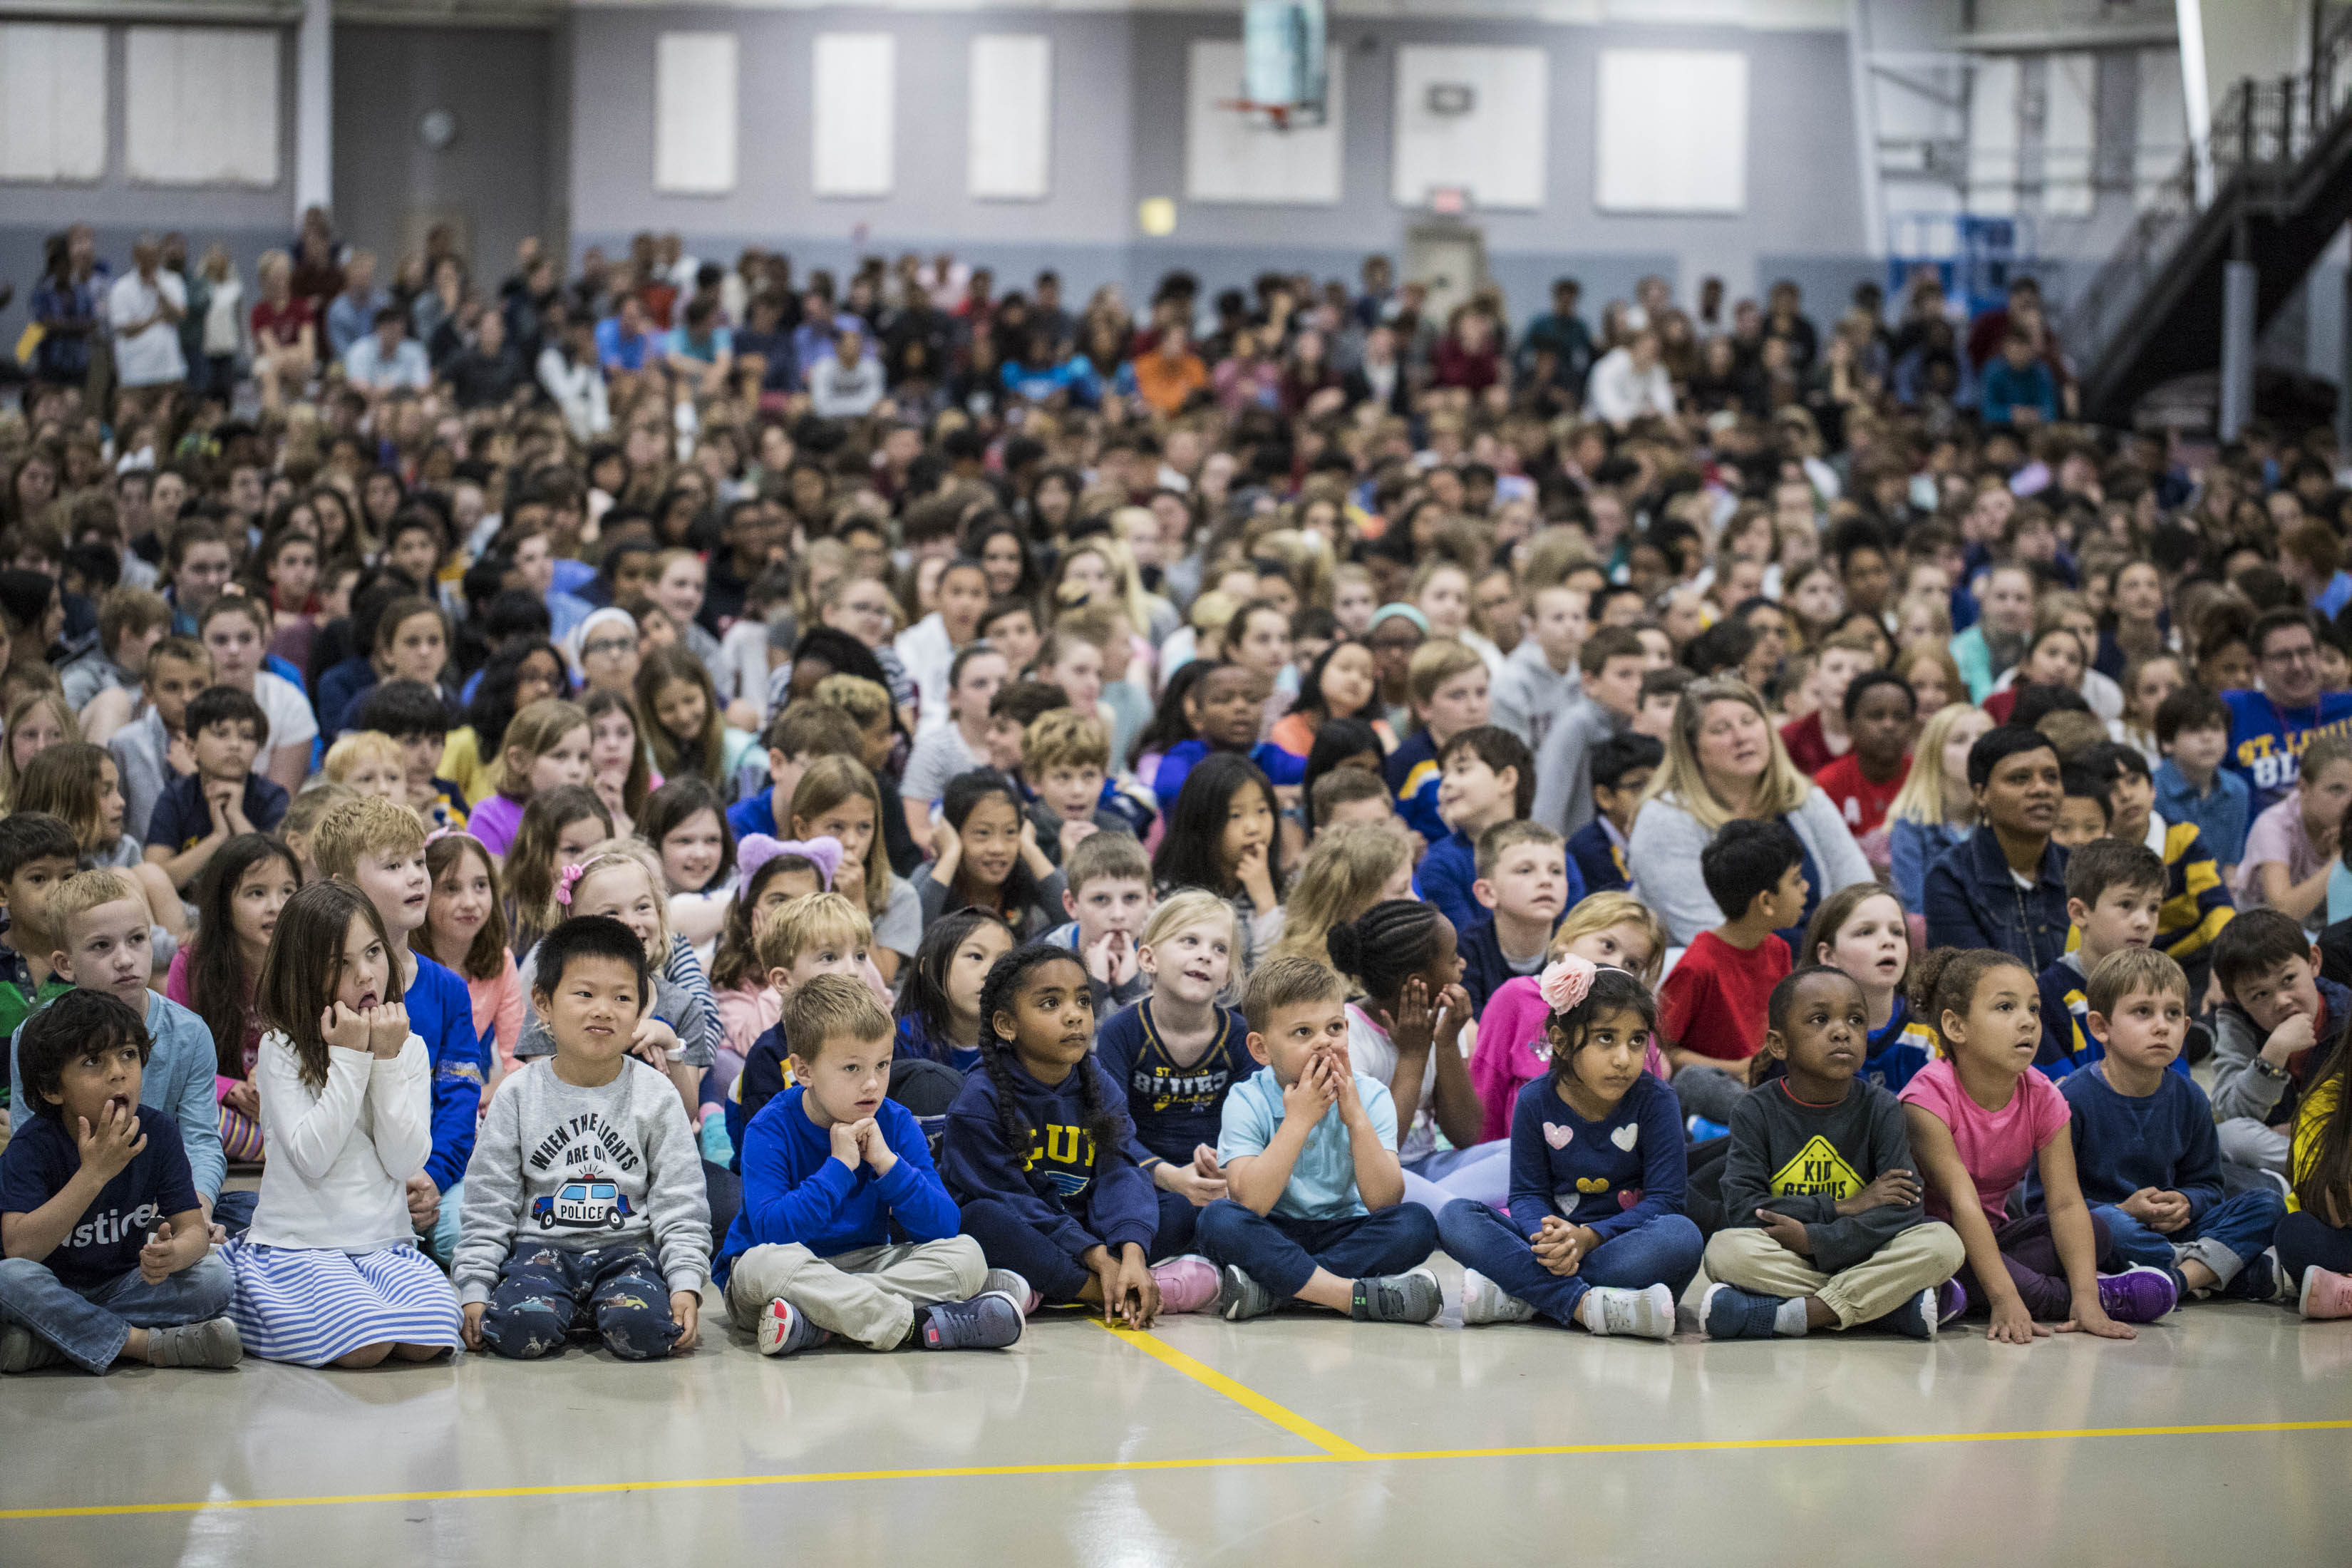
(1565,982)
(757,850)
(570,875)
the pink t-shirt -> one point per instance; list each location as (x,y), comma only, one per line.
(1996,1146)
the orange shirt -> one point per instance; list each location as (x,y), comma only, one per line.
(1165,386)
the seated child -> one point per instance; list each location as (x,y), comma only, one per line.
(2197,902)
(108,1244)
(1346,796)
(1980,1118)
(1514,1048)
(1036,1153)
(416,718)
(938,1007)
(1711,1009)
(152,749)
(2280,1026)
(1525,884)
(367,763)
(328,1272)
(804,732)
(1064,759)
(465,932)
(38,855)
(2083,811)
(986,857)
(301,825)
(1108,900)
(1224,710)
(2284,868)
(201,811)
(591,1149)
(1596,1236)
(1315,1208)
(1862,931)
(2314,1239)
(1485,778)
(2144,1149)
(1447,684)
(216,979)
(770,874)
(2114,891)
(1880,717)
(845,1227)
(1178,1052)
(1621,766)
(1823,1223)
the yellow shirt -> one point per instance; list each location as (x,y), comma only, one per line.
(2310,1125)
(462,765)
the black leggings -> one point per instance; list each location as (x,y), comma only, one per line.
(2305,1241)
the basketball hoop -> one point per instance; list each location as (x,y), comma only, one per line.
(1277,114)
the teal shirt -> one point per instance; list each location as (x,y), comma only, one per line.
(1323,1181)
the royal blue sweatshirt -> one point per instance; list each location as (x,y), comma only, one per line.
(795,1191)
(1608,1175)
(1175,1109)
(2165,1141)
(1897,1049)
(1073,1193)
(441,1013)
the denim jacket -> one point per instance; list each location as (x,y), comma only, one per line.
(1973,901)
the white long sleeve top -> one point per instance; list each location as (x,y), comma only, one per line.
(341,1154)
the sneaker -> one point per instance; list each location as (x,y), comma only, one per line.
(2138,1295)
(988,1322)
(1918,1318)
(212,1342)
(1951,1300)
(1187,1284)
(1412,1298)
(1728,1312)
(1241,1298)
(784,1330)
(1647,1314)
(22,1350)
(2260,1280)
(2325,1294)
(1004,1283)
(1484,1301)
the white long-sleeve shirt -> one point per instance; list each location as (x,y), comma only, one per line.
(579,392)
(341,1154)
(1617,392)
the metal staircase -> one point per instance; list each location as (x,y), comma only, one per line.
(2280,186)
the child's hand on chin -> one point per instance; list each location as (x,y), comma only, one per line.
(343,1028)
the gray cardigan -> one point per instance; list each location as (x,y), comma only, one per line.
(1663,852)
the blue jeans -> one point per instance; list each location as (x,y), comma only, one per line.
(1664,1250)
(91,1324)
(1177,1221)
(1283,1253)
(2222,1239)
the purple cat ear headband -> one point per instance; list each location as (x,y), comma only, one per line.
(758,848)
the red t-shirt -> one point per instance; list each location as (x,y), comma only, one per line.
(1862,804)
(1714,1002)
(1807,747)
(281,325)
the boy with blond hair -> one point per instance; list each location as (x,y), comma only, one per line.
(822,933)
(845,1227)
(1064,760)
(1447,684)
(369,763)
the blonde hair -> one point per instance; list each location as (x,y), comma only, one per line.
(855,695)
(1341,878)
(1606,911)
(360,746)
(1064,737)
(798,924)
(1680,780)
(634,852)
(86,891)
(1922,796)
(831,1007)
(365,824)
(69,730)
(1181,911)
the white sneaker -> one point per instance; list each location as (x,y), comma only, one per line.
(1647,1314)
(1484,1301)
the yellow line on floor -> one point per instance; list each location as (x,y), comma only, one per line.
(1355,1456)
(1249,1399)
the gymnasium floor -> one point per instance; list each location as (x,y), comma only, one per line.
(2222,1435)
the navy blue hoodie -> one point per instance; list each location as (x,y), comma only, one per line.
(1076,1194)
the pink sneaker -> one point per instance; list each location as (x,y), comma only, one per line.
(2326,1294)
(1187,1284)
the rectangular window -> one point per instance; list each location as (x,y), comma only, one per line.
(52,101)
(694,113)
(201,106)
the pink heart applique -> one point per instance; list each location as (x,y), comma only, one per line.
(1558,1137)
(1628,1196)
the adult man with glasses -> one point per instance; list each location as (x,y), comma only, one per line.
(2270,728)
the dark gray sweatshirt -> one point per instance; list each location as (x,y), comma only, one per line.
(1800,1160)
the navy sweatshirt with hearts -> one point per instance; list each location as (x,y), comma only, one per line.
(1608,1175)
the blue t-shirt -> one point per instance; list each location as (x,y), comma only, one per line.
(1175,1109)
(104,1242)
(2266,740)
(1323,1177)
(795,1192)
(182,820)
(1413,779)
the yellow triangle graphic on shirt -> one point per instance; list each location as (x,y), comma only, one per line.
(1817,1171)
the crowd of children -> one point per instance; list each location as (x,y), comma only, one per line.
(914,872)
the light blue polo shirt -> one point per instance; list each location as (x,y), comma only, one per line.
(1323,1181)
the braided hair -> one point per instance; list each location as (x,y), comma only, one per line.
(1105,1123)
(1387,946)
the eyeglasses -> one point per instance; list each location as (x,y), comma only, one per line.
(607,646)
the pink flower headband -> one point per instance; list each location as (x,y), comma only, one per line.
(757,850)
(570,875)
(1565,982)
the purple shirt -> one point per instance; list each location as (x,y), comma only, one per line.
(494,823)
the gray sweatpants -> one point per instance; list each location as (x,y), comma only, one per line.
(868,1295)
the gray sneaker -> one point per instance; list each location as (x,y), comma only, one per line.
(1412,1298)
(22,1350)
(212,1342)
(1241,1298)
(1647,1314)
(1484,1301)
(1004,1283)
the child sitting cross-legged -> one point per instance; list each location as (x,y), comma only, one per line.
(1596,1234)
(591,1149)
(1036,1152)
(2114,891)
(1824,1226)
(108,1244)
(1316,1210)
(845,1227)
(1711,1008)
(2144,1149)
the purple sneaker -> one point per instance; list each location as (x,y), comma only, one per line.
(1951,1300)
(2138,1295)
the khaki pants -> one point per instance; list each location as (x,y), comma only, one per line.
(870,1295)
(1926,1255)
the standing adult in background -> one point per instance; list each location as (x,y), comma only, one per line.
(1563,333)
(145,310)
(70,306)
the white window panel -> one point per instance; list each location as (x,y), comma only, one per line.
(694,113)
(1230,156)
(52,101)
(1671,135)
(1993,138)
(2069,134)
(855,114)
(201,106)
(2162,133)
(1010,138)
(1495,149)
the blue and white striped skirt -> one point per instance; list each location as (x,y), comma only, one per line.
(312,1306)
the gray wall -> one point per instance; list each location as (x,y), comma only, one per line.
(495,179)
(1118,136)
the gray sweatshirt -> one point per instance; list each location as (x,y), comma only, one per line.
(1564,763)
(584,1169)
(1667,839)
